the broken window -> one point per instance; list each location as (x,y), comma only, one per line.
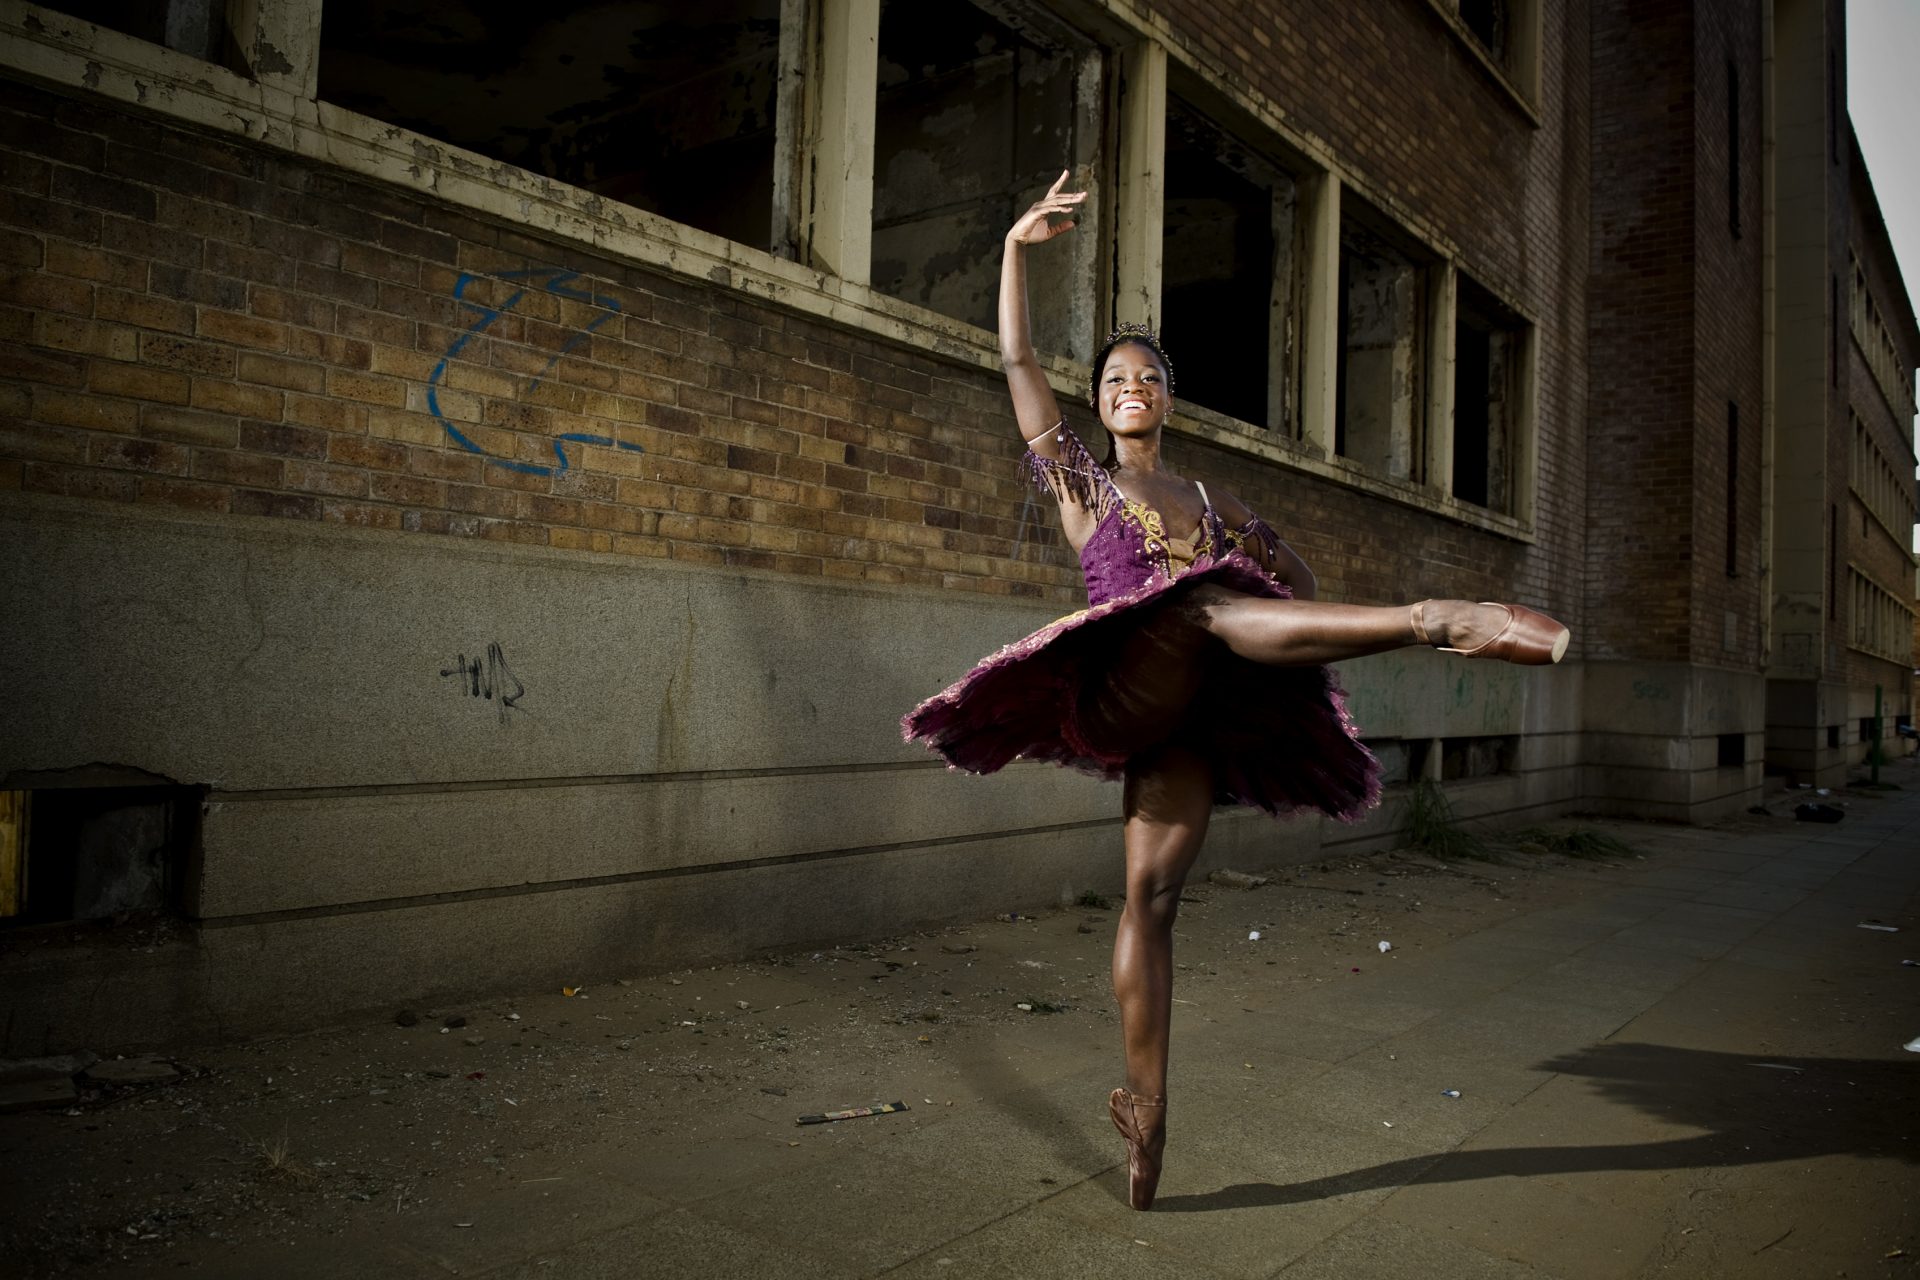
(1484,757)
(670,108)
(1487,20)
(1507,31)
(197,28)
(1488,349)
(1226,284)
(72,853)
(979,109)
(1379,404)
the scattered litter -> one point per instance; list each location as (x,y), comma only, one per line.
(1385,946)
(1253,936)
(1817,813)
(1896,1253)
(1011,917)
(854,1113)
(1913,1045)
(1355,969)
(570,991)
(510,1102)
(1236,879)
(1247,1065)
(1879,928)
(1387,1123)
(957,948)
(741,1004)
(773,1089)
(1775,1066)
(1910,964)
(1024,1007)
(1822,791)
(463,1224)
(926,1039)
(1449,1093)
(513,1017)
(1142,1243)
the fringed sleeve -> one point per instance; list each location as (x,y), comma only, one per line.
(1072,477)
(1257,533)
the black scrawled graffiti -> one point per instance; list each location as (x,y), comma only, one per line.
(489,677)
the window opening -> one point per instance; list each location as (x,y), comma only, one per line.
(197,28)
(94,852)
(1732,750)
(669,108)
(1479,757)
(1487,20)
(1488,342)
(1378,408)
(1226,291)
(977,112)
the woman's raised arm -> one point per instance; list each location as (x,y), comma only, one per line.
(1034,406)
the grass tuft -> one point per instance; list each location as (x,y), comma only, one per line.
(1431,827)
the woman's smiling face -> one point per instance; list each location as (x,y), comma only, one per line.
(1133,390)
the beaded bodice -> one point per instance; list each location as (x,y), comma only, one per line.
(1129,547)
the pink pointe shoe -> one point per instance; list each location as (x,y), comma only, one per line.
(1143,1166)
(1530,638)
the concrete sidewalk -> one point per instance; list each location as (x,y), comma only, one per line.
(1687,1065)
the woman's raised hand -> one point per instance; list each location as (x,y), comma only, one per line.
(1034,226)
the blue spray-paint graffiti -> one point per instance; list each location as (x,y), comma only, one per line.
(551,280)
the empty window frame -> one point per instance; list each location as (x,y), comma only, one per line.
(1508,32)
(670,108)
(979,108)
(95,852)
(1227,295)
(1490,349)
(1379,403)
(197,28)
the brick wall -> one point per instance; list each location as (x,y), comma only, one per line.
(1727,342)
(194,321)
(1640,450)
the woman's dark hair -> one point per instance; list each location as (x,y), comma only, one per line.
(1140,335)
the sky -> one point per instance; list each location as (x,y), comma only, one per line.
(1883,96)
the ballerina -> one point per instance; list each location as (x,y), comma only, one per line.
(1195,675)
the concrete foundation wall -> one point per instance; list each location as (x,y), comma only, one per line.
(694,763)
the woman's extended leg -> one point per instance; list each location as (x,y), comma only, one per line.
(1169,798)
(1311,632)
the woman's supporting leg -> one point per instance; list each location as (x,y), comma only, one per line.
(1169,798)
(1168,801)
(1304,633)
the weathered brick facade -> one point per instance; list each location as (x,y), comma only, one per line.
(301,411)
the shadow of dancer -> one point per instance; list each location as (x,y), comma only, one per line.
(1754,1109)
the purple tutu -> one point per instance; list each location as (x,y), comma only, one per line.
(1135,671)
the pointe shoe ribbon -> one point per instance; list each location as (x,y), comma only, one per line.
(1143,1169)
(1530,638)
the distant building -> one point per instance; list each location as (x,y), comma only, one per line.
(478,490)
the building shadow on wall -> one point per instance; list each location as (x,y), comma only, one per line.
(1754,1108)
